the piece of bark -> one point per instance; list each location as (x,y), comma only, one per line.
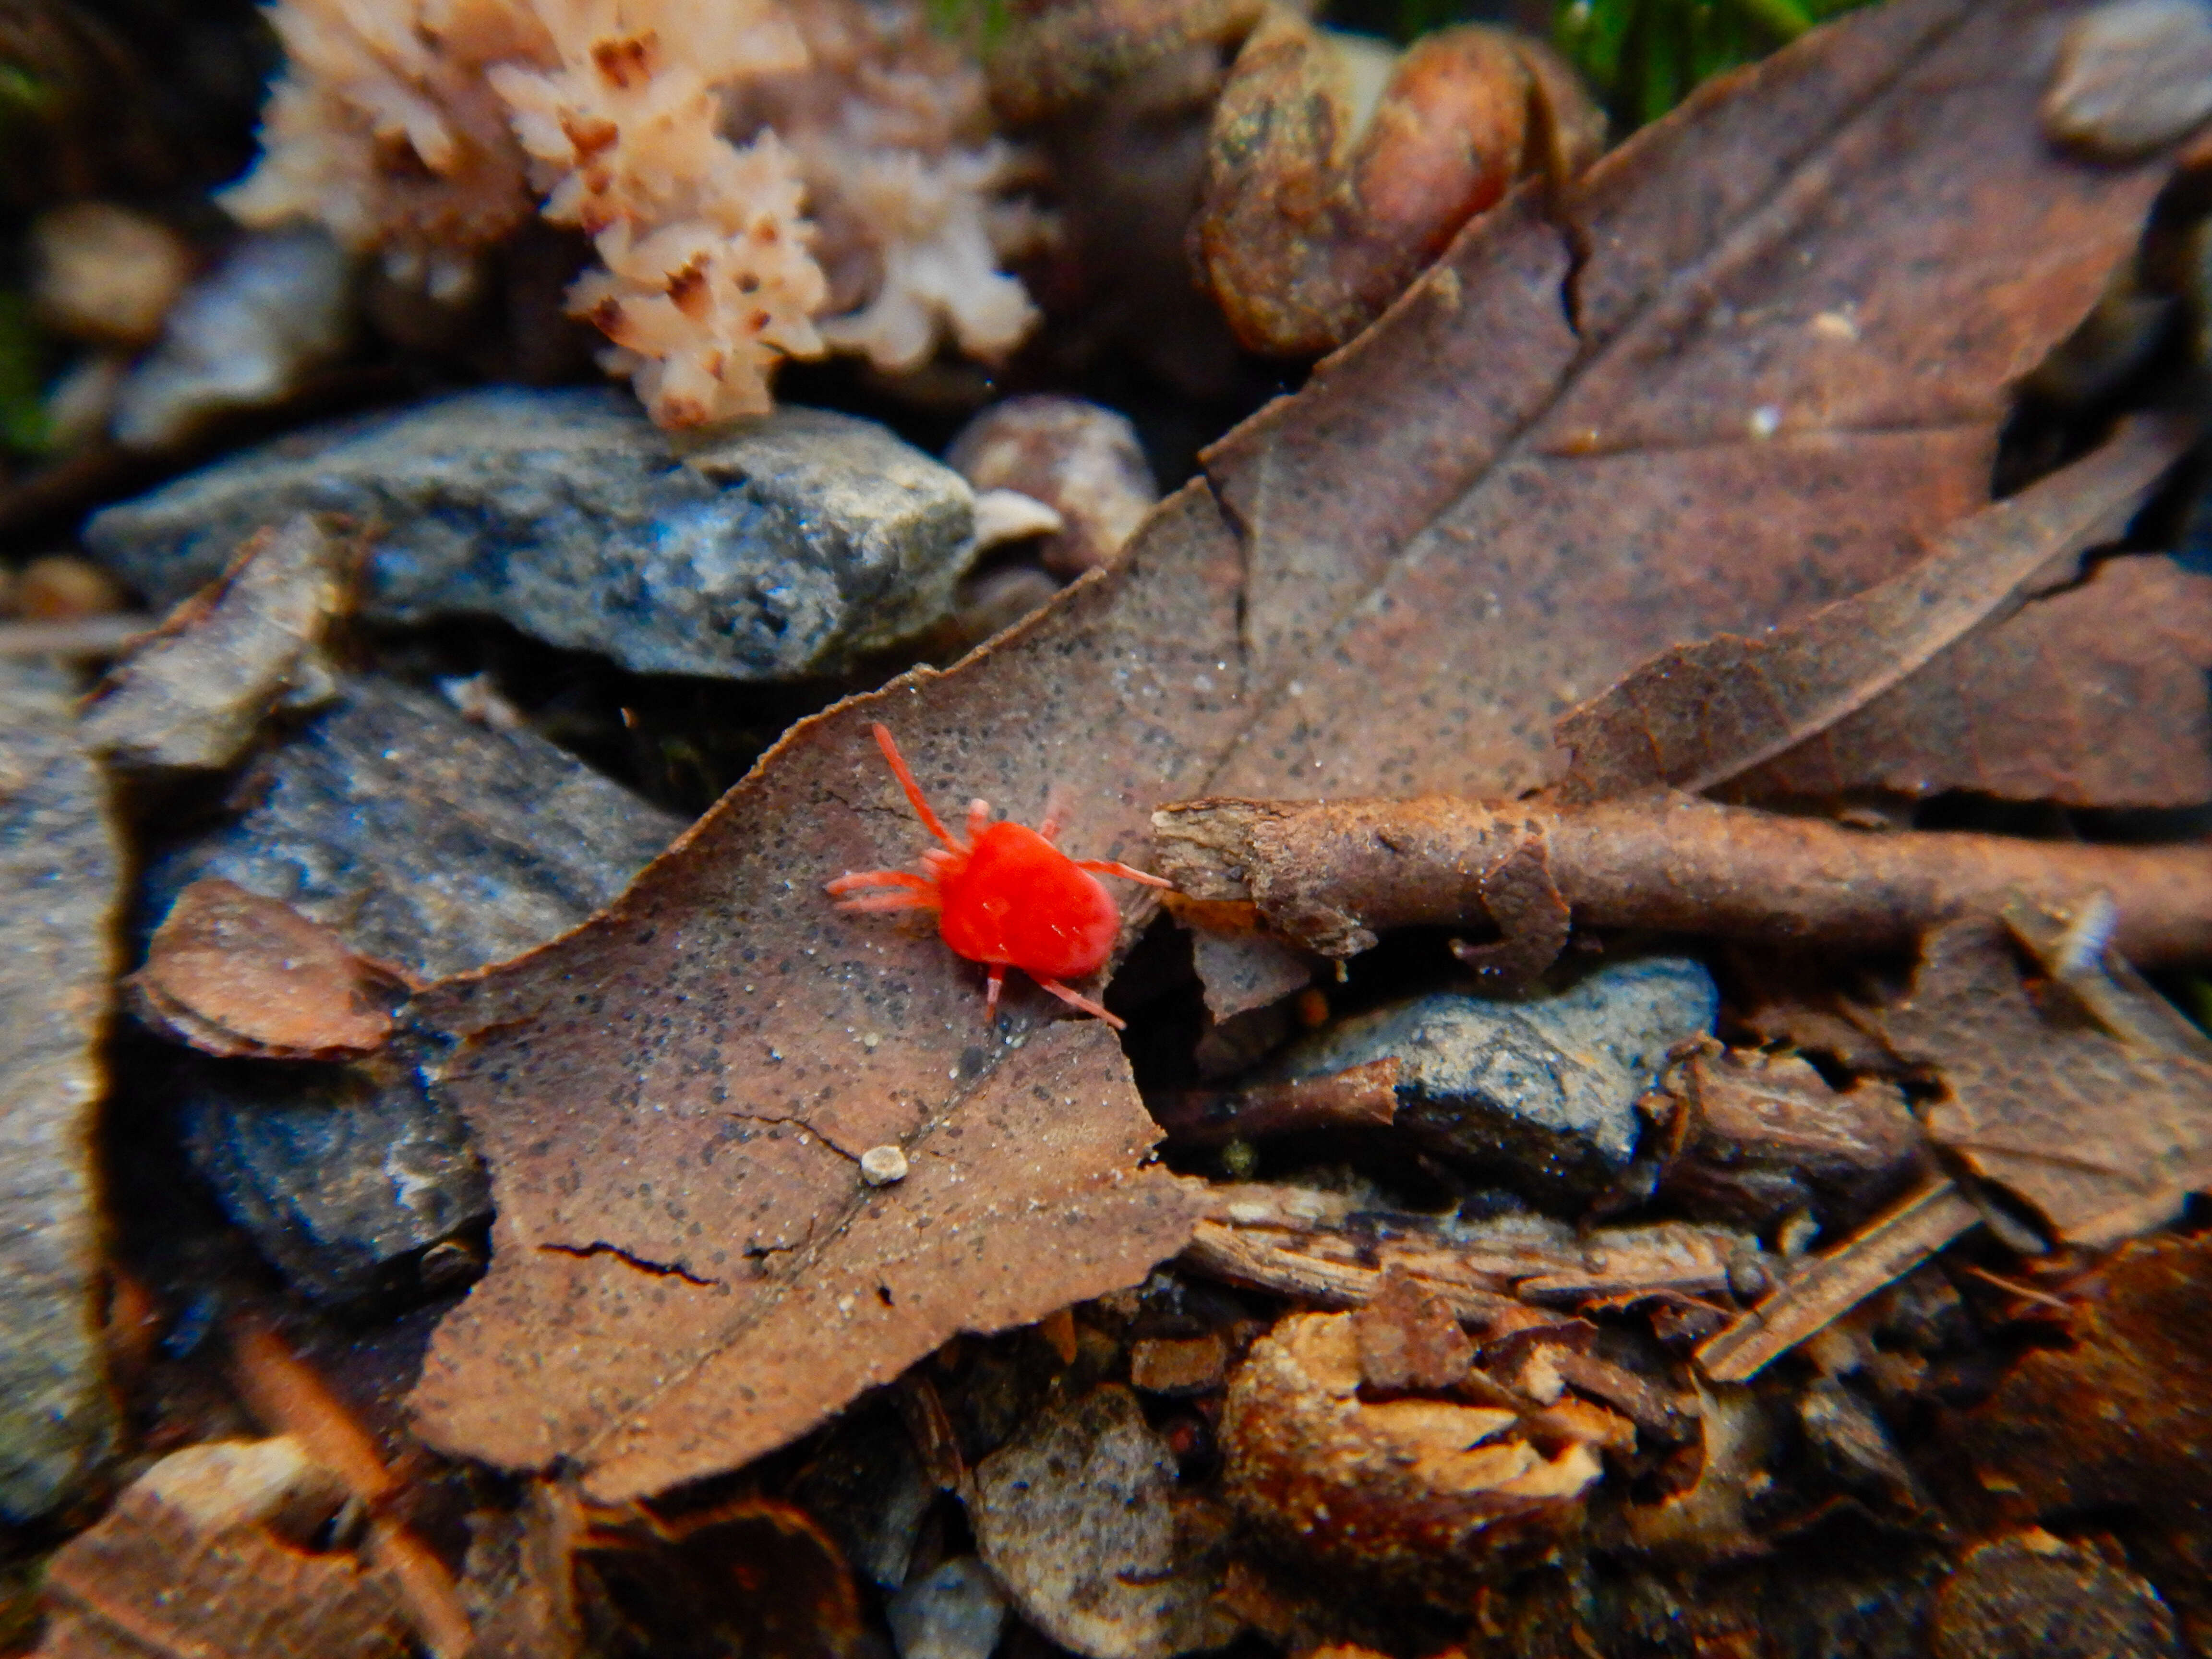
(1178,1364)
(1408,1339)
(1363,1096)
(1331,876)
(1831,1285)
(1415,1489)
(1245,970)
(1031,1193)
(1078,1517)
(207,1554)
(1759,1134)
(1696,717)
(233,974)
(192,694)
(62,887)
(1316,614)
(2023,1082)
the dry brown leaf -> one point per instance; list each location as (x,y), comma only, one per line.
(1922,649)
(233,973)
(206,1553)
(2119,1420)
(2104,1138)
(1030,1194)
(1530,476)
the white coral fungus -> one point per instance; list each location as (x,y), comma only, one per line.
(691,139)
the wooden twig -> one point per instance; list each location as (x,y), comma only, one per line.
(1363,1096)
(1831,1285)
(1331,875)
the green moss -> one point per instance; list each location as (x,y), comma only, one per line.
(22,376)
(1643,56)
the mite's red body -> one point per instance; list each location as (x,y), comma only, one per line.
(1006,897)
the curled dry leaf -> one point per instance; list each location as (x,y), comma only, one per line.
(2026,1078)
(193,692)
(1334,175)
(1396,581)
(206,1553)
(1404,1485)
(1855,677)
(233,973)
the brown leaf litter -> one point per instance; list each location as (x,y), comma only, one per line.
(1859,676)
(1781,365)
(206,1552)
(231,973)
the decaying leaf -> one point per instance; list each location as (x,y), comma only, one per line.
(2104,1138)
(233,973)
(1870,674)
(1782,363)
(751,1576)
(2119,1420)
(1404,1485)
(193,692)
(1080,1519)
(1028,1194)
(206,1552)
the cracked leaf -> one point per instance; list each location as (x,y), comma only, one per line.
(1532,475)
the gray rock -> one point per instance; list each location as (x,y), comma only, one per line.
(954,1612)
(346,1177)
(1540,1093)
(789,545)
(423,839)
(1077,1517)
(61,894)
(280,305)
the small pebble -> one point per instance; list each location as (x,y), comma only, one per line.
(62,587)
(107,273)
(2132,75)
(882,1165)
(1080,462)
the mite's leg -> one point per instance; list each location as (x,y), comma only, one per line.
(1108,867)
(908,891)
(921,808)
(1076,999)
(995,983)
(979,817)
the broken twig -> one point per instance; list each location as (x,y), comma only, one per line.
(1331,875)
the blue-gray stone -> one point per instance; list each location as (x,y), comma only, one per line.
(954,1612)
(1538,1092)
(790,545)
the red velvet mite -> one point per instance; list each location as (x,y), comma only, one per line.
(1006,897)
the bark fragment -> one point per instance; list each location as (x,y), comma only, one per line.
(192,693)
(206,1553)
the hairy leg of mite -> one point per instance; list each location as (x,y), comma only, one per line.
(868,901)
(1076,999)
(1109,867)
(853,880)
(993,983)
(979,817)
(921,808)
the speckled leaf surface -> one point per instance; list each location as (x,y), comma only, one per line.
(1779,365)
